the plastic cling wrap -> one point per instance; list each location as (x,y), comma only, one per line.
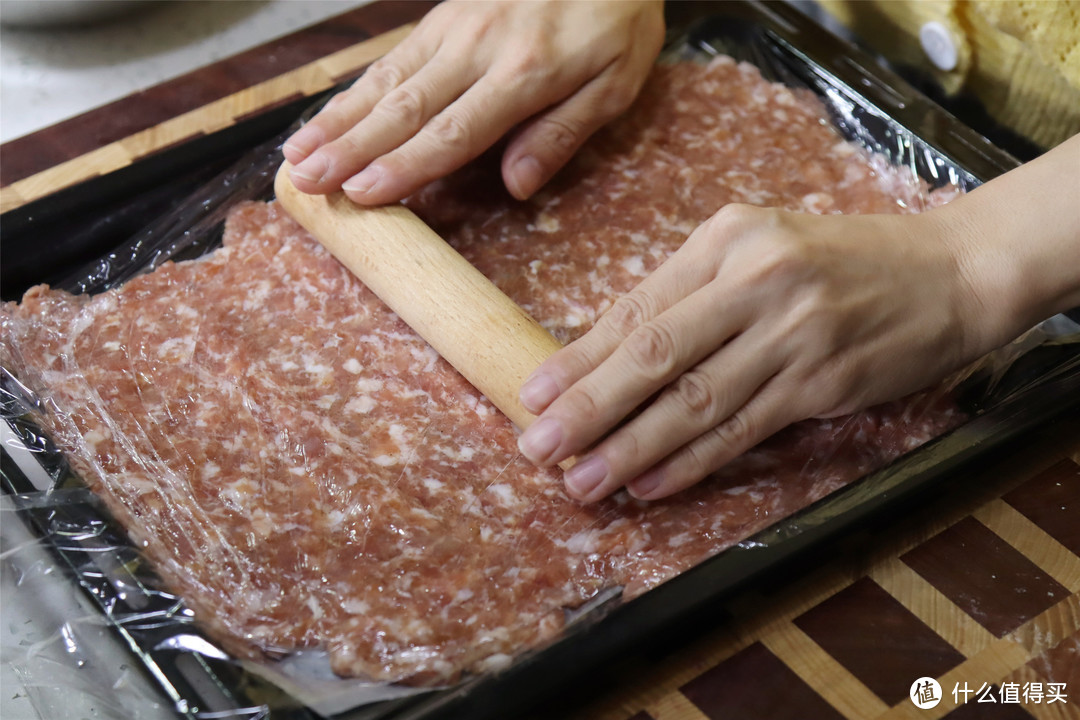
(324,498)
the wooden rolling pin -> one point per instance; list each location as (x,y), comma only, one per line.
(491,341)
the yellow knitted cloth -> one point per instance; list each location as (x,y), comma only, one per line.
(1021,58)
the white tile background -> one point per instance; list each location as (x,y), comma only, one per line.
(48,74)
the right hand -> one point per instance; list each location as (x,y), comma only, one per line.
(553,72)
(765,317)
(762,318)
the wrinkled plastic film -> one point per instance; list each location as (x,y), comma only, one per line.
(189,231)
(64,654)
(316,483)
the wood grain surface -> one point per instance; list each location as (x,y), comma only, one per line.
(212,98)
(921,596)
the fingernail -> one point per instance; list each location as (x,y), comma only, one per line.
(312,169)
(540,440)
(526,177)
(644,485)
(538,392)
(363,182)
(583,478)
(304,140)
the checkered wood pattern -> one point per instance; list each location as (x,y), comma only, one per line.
(980,587)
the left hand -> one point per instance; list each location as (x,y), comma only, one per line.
(761,319)
(548,74)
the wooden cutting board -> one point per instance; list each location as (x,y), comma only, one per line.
(203,101)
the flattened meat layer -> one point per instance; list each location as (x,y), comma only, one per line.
(307,473)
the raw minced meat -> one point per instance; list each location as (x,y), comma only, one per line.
(307,473)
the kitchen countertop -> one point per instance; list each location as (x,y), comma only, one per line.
(980,586)
(50,74)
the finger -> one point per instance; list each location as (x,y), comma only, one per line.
(688,408)
(651,357)
(767,412)
(338,114)
(586,389)
(690,268)
(352,105)
(398,116)
(456,135)
(547,142)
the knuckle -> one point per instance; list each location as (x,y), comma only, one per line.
(406,105)
(654,349)
(351,145)
(693,464)
(477,27)
(528,59)
(813,320)
(531,63)
(791,261)
(842,391)
(385,75)
(449,128)
(623,450)
(617,98)
(733,217)
(726,229)
(558,136)
(583,406)
(628,313)
(697,395)
(733,434)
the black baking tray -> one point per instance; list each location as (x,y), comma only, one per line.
(891,117)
